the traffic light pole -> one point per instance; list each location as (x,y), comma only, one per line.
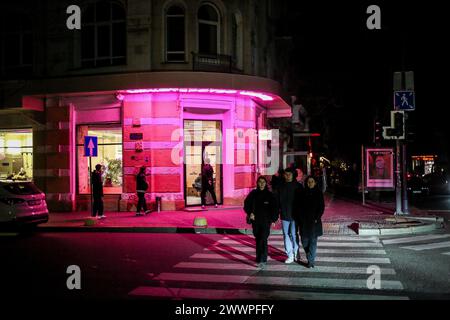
(405,208)
(398,187)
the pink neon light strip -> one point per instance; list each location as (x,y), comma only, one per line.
(259,95)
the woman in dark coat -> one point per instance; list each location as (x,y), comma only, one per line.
(261,209)
(309,212)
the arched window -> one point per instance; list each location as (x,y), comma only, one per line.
(208,30)
(175,34)
(16,45)
(103,34)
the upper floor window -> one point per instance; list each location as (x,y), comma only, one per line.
(175,34)
(236,40)
(16,45)
(103,34)
(208,30)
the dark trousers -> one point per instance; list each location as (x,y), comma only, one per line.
(141,202)
(310,246)
(261,232)
(97,206)
(207,187)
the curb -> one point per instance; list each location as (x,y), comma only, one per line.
(211,230)
(398,231)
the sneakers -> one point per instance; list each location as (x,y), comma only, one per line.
(261,265)
(216,206)
(148,211)
(138,214)
(289,260)
(102,217)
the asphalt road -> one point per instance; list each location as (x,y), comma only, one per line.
(440,203)
(136,266)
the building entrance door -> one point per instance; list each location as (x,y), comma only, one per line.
(202,143)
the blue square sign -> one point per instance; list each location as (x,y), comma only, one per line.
(404,100)
(90,146)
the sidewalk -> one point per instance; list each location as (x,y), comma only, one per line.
(341,217)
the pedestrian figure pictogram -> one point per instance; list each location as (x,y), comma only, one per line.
(404,100)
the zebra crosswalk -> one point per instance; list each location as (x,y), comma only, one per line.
(226,270)
(421,242)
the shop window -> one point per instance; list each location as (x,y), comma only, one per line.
(103,35)
(109,156)
(208,30)
(175,34)
(16,154)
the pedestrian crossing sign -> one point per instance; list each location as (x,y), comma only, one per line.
(404,100)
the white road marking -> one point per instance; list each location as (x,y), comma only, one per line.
(295,268)
(429,246)
(217,294)
(279,281)
(415,239)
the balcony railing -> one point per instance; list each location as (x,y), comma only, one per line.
(213,63)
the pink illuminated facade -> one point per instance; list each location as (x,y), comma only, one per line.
(149,103)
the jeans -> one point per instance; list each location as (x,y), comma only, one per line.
(141,202)
(310,246)
(290,238)
(261,233)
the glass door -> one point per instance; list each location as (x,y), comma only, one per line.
(202,144)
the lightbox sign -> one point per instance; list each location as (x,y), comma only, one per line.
(380,168)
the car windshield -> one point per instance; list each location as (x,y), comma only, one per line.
(21,188)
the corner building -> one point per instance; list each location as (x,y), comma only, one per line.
(163,84)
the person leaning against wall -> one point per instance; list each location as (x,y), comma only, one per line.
(141,189)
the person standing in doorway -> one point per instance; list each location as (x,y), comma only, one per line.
(261,209)
(141,189)
(208,183)
(286,199)
(97,192)
(308,214)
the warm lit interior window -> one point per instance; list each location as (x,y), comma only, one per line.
(109,156)
(16,154)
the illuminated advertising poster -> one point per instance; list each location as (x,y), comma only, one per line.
(380,168)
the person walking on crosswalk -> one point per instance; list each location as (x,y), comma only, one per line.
(310,207)
(286,199)
(261,209)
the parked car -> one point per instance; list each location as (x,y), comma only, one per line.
(22,203)
(416,186)
(437,182)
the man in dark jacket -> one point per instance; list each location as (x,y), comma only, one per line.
(261,209)
(141,189)
(286,198)
(97,192)
(208,183)
(310,206)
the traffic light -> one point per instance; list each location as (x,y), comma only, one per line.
(377,132)
(397,128)
(399,124)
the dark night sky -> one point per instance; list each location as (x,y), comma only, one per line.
(335,51)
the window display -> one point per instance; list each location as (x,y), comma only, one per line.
(16,154)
